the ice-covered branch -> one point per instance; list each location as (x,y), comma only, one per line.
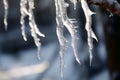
(113,6)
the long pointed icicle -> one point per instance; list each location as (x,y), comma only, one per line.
(34,29)
(61,38)
(5,2)
(35,33)
(63,21)
(69,24)
(88,13)
(23,11)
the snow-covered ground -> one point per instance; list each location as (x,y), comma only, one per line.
(27,66)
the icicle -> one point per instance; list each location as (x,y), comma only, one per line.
(5,2)
(70,27)
(88,13)
(23,11)
(61,38)
(62,42)
(63,21)
(34,29)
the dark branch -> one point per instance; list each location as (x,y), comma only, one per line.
(112,6)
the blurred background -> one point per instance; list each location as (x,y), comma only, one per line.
(18,59)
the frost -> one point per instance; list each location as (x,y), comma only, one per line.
(35,33)
(5,2)
(88,13)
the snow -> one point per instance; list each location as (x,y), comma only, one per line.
(26,60)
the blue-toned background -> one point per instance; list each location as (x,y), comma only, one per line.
(18,59)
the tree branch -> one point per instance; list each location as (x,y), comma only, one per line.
(112,6)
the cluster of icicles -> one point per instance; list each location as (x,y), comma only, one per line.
(62,20)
